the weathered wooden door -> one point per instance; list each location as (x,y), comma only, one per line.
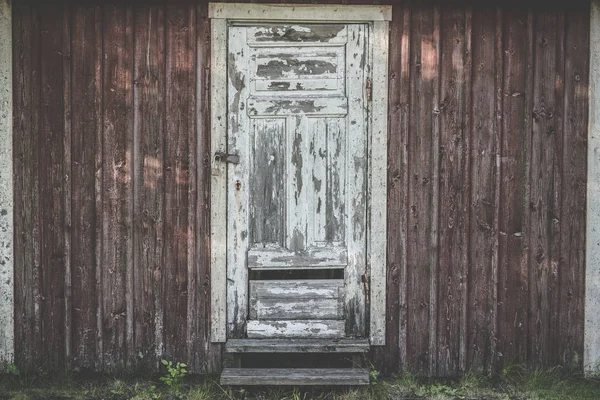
(297,174)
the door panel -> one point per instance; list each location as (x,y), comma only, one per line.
(297,199)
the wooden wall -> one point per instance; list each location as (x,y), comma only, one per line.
(486,182)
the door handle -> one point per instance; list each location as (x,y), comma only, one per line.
(226,157)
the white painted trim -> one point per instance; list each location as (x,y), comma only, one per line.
(223,13)
(376,257)
(6,187)
(591,353)
(299,12)
(218,191)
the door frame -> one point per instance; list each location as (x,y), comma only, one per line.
(221,14)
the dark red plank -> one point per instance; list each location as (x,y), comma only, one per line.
(454,191)
(483,177)
(572,260)
(26,97)
(51,186)
(423,58)
(148,179)
(180,186)
(545,213)
(116,184)
(514,209)
(86,116)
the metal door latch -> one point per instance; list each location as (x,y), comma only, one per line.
(228,158)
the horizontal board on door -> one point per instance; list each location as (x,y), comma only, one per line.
(287,309)
(297,299)
(298,34)
(296,329)
(331,106)
(280,258)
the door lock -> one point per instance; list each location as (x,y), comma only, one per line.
(226,157)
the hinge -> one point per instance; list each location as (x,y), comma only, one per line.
(369,90)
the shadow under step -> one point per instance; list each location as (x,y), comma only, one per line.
(297,346)
(294,376)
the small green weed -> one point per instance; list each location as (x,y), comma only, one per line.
(13,370)
(175,373)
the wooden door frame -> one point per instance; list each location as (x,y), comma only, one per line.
(221,14)
(7,345)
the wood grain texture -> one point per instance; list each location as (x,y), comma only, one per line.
(86,114)
(545,176)
(291,376)
(317,329)
(424,63)
(51,185)
(26,98)
(453,194)
(117,207)
(572,259)
(180,184)
(514,209)
(297,346)
(295,376)
(484,152)
(148,181)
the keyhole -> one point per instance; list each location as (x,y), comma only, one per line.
(238,185)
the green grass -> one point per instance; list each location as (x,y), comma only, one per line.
(513,384)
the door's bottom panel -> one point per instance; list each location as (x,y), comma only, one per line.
(297,299)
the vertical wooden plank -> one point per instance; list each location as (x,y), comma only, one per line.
(296,192)
(544,212)
(356,186)
(218,186)
(148,180)
(179,155)
(116,184)
(52,215)
(423,56)
(334,167)
(435,193)
(26,97)
(468,123)
(237,176)
(205,356)
(483,189)
(405,86)
(267,181)
(86,118)
(513,221)
(377,184)
(498,107)
(67,179)
(7,233)
(572,234)
(453,196)
(98,182)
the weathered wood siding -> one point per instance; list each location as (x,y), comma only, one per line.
(486,187)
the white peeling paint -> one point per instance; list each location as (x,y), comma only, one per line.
(6,188)
(592,279)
